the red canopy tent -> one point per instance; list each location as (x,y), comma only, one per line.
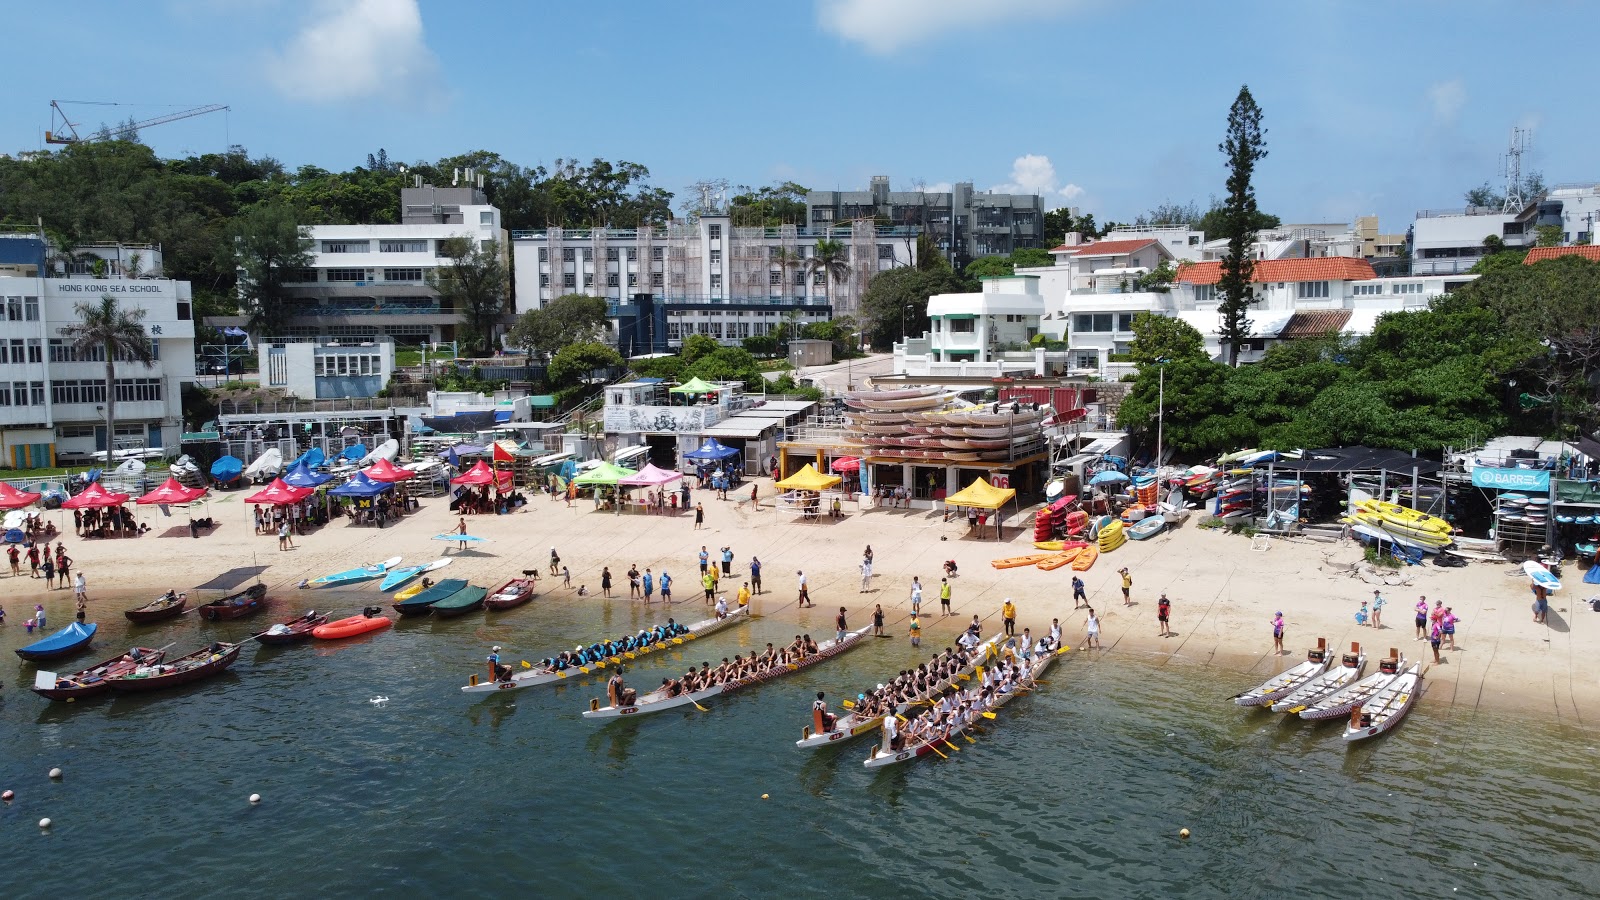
(95,496)
(277,494)
(481,474)
(386,471)
(172,492)
(11,498)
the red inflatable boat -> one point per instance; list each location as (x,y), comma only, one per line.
(369,620)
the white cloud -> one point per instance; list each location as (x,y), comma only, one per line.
(1447,99)
(354,50)
(1034,173)
(885,26)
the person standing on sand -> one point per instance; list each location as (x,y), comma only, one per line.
(649,585)
(944,598)
(755,501)
(555,560)
(605,581)
(705,559)
(699,516)
(1377,609)
(1164,615)
(1422,618)
(633,581)
(744,595)
(283,536)
(866,577)
(1277,633)
(709,586)
(1079,598)
(49,567)
(461,529)
(1127,586)
(1091,634)
(916,594)
(1008,618)
(33,562)
(805,594)
(727,561)
(755,574)
(80,590)
(1448,621)
(15,556)
(1435,637)
(1541,606)
(566,577)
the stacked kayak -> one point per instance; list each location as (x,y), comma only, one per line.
(1405,524)
(1112,535)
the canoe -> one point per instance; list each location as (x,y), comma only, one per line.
(851,725)
(461,602)
(1387,707)
(200,664)
(352,626)
(68,640)
(510,595)
(1060,545)
(1331,681)
(658,701)
(881,759)
(422,603)
(166,606)
(897,394)
(533,677)
(1086,558)
(1341,702)
(1147,527)
(235,606)
(1541,576)
(1287,682)
(403,574)
(1015,562)
(1063,558)
(93,680)
(359,573)
(294,630)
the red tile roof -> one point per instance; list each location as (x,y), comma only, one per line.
(1322,268)
(1105,248)
(1587,251)
(1314,323)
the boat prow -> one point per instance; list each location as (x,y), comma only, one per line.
(1287,682)
(1386,708)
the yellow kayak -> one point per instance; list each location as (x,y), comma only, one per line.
(1406,517)
(411,590)
(1112,536)
(1061,559)
(1059,545)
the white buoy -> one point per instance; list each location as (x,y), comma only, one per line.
(1183,832)
(255,798)
(44,823)
(7,796)
(55,773)
(763,796)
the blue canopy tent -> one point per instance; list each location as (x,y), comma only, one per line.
(712,450)
(311,458)
(302,476)
(361,486)
(354,452)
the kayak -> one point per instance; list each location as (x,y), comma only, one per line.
(1061,559)
(1014,562)
(397,577)
(1086,558)
(1059,545)
(351,627)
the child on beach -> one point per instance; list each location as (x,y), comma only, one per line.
(1361,614)
(583,590)
(29,625)
(1277,633)
(566,577)
(916,632)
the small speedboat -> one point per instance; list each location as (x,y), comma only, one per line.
(510,595)
(359,573)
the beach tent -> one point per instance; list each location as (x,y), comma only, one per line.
(694,386)
(711,451)
(650,476)
(386,471)
(95,495)
(808,479)
(981,495)
(846,464)
(301,476)
(361,486)
(173,492)
(277,494)
(605,473)
(11,498)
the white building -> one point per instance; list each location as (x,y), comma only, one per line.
(703,276)
(1180,241)
(326,368)
(986,332)
(53,398)
(1450,241)
(1579,211)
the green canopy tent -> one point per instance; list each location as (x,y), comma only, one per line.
(694,386)
(604,474)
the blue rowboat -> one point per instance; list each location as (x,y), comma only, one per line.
(1147,527)
(360,573)
(400,576)
(70,639)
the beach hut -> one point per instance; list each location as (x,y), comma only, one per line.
(172,493)
(980,494)
(11,498)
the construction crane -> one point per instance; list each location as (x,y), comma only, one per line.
(67,132)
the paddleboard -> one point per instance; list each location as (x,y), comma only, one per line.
(1541,576)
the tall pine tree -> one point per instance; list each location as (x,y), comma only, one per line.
(1244,145)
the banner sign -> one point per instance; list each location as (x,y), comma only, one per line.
(1512,479)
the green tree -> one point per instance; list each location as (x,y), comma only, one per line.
(896,302)
(269,248)
(989,267)
(829,257)
(1031,258)
(1158,280)
(786,261)
(726,364)
(568,319)
(1244,146)
(760,344)
(1157,337)
(778,204)
(1549,235)
(115,333)
(1215,221)
(476,284)
(1196,418)
(697,345)
(1484,196)
(576,363)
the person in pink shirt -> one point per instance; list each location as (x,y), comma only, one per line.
(1277,633)
(1422,618)
(1448,621)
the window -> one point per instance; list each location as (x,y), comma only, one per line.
(485,218)
(886,251)
(633,254)
(1311,290)
(611,254)
(183,312)
(588,281)
(19,393)
(716,283)
(633,279)
(544,254)
(14,309)
(30,309)
(588,254)
(5,394)
(1366,290)
(714,232)
(1086,361)
(348,275)
(674,330)
(1205,293)
(716,257)
(1124,321)
(544,280)
(612,280)
(569,280)
(568,255)
(657,253)
(412,276)
(818,277)
(35,393)
(345,246)
(1414,287)
(1101,322)
(799,279)
(74,431)
(35,351)
(300,276)
(405,247)
(656,279)
(776,278)
(486,246)
(961,326)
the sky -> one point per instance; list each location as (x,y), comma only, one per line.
(1111,106)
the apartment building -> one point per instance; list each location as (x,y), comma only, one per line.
(965,224)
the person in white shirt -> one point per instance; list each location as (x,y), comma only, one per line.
(722,606)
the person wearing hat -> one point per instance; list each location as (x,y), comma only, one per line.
(1277,633)
(497,672)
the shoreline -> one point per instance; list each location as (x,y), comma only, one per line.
(1223,592)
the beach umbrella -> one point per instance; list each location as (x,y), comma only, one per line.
(11,498)
(386,471)
(277,494)
(847,464)
(172,492)
(1108,477)
(301,476)
(94,496)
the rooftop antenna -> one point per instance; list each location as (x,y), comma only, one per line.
(1521,140)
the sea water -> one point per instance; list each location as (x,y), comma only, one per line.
(1077,790)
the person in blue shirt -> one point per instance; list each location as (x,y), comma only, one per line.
(649,585)
(666,587)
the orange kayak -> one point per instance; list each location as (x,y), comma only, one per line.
(1086,558)
(1060,559)
(1014,562)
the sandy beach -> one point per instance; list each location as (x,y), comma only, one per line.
(1224,593)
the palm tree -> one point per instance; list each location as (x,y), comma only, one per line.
(108,328)
(829,257)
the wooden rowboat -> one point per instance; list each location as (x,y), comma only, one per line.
(1387,707)
(1285,683)
(510,595)
(293,631)
(202,663)
(166,606)
(95,679)
(235,606)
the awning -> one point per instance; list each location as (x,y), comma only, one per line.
(808,479)
(695,386)
(542,401)
(1357,459)
(981,495)
(502,415)
(735,428)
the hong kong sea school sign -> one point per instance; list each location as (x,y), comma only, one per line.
(1512,479)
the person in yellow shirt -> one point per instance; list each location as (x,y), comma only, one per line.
(744,595)
(1127,586)
(1008,615)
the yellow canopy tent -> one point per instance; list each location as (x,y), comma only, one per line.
(808,479)
(982,495)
